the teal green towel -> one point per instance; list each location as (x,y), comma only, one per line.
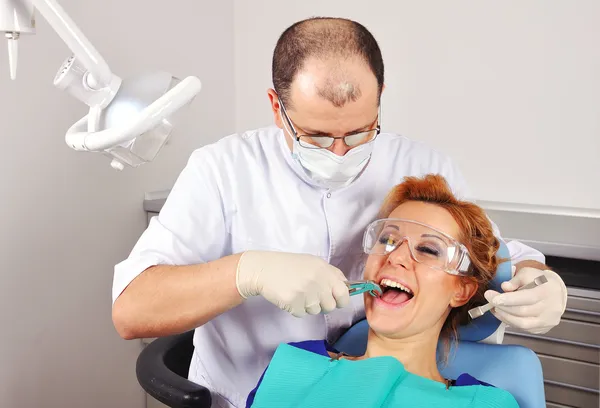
(300,378)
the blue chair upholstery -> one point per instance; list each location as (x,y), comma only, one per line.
(515,369)
(487,324)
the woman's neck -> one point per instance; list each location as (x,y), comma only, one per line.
(416,353)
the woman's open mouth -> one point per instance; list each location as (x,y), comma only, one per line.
(394,293)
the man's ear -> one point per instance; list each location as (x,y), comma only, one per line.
(275,107)
(464,290)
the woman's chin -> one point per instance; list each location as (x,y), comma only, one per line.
(389,318)
(385,323)
(385,329)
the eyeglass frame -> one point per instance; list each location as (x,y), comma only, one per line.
(464,265)
(297,136)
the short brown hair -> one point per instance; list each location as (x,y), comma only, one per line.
(322,37)
(477,235)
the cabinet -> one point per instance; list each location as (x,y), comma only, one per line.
(570,352)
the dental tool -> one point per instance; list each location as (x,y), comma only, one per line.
(358,287)
(481,310)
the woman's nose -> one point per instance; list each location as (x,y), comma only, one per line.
(401,254)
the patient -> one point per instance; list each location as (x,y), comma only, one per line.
(434,257)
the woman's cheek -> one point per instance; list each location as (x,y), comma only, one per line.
(371,268)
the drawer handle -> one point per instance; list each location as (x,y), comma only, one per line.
(552,339)
(573,387)
(583,312)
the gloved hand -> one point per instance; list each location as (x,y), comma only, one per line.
(297,283)
(534,310)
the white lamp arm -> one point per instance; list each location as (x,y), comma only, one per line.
(81,47)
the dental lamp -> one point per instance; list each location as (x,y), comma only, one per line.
(128,120)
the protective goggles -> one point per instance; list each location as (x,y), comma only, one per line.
(426,244)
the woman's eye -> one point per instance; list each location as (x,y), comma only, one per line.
(386,240)
(425,249)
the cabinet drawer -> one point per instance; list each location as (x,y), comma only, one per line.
(557,348)
(583,303)
(583,309)
(582,316)
(581,332)
(571,330)
(569,396)
(577,373)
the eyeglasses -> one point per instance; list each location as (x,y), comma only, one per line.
(324,142)
(426,244)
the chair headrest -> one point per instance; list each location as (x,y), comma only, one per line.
(484,326)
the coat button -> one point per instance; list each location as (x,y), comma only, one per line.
(328,195)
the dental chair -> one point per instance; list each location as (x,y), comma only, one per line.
(162,367)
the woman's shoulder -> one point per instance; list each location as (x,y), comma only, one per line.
(493,397)
(320,347)
(468,379)
(315,346)
(487,394)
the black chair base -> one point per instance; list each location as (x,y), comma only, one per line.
(162,370)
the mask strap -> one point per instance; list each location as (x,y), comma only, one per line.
(284,119)
(287,130)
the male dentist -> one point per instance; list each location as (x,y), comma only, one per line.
(261,229)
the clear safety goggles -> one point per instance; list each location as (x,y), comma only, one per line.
(426,244)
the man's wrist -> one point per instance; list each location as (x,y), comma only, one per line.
(549,273)
(530,264)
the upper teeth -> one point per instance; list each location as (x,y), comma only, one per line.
(391,283)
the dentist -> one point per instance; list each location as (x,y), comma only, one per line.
(264,227)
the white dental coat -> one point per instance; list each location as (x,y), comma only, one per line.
(248,192)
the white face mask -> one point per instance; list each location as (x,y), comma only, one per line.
(326,168)
(330,170)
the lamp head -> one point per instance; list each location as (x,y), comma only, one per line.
(138,120)
(133,97)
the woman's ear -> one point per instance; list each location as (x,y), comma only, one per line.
(464,291)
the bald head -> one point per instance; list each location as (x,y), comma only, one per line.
(331,51)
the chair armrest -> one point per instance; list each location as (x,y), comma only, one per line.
(161,370)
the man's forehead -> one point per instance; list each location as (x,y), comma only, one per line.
(317,108)
(344,76)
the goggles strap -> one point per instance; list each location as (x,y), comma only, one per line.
(464,264)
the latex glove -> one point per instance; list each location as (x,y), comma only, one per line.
(297,283)
(534,310)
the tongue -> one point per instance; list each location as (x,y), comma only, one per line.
(394,296)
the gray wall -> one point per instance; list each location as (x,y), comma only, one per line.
(510,89)
(66,218)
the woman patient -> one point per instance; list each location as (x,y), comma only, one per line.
(433,256)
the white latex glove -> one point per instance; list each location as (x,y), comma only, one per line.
(296,283)
(534,310)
